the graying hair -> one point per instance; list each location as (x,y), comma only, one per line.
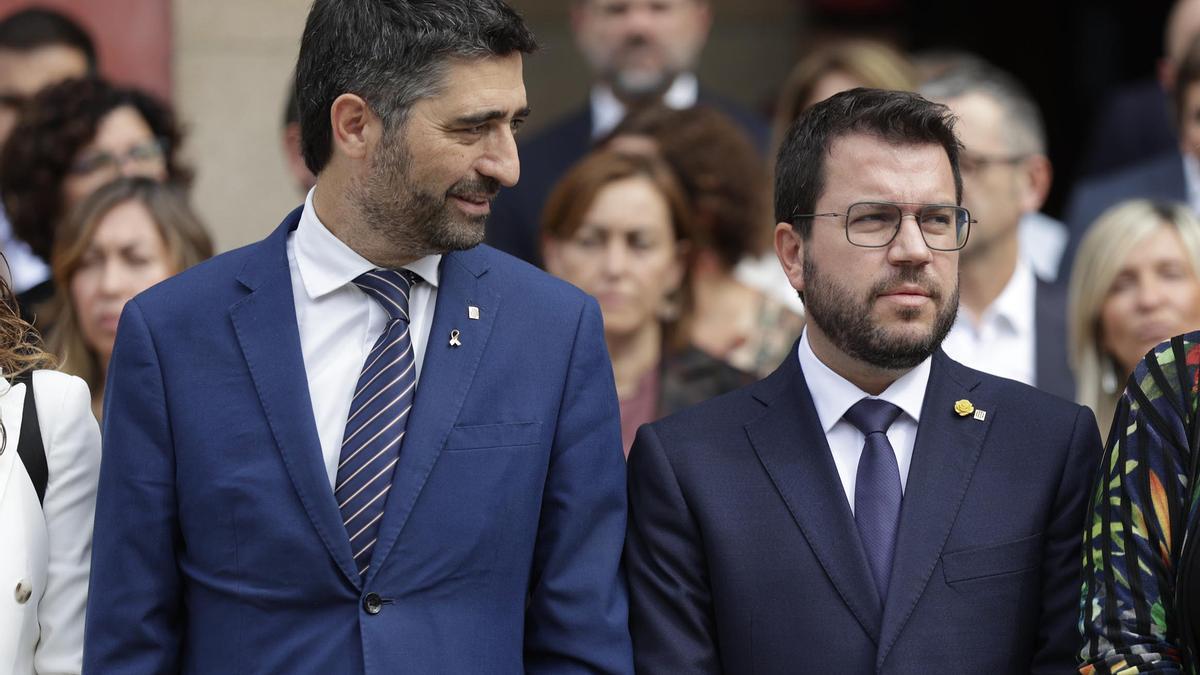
(1025,129)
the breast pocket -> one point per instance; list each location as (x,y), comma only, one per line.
(992,560)
(483,436)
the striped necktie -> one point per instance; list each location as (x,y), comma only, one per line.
(378,416)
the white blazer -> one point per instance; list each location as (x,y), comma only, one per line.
(45,549)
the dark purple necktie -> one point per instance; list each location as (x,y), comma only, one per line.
(877,491)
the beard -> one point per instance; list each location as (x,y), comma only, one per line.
(414,220)
(847,321)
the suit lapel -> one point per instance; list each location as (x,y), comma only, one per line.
(791,445)
(265,324)
(446,376)
(944,457)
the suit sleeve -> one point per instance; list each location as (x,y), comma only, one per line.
(72,442)
(1136,521)
(577,616)
(134,613)
(670,601)
(1058,633)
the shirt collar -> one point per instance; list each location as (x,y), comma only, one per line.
(326,263)
(608,110)
(837,393)
(1014,306)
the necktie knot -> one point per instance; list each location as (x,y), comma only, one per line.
(872,415)
(390,288)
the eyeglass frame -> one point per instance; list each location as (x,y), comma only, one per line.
(972,162)
(896,230)
(118,161)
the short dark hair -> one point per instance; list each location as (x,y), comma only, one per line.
(58,122)
(897,117)
(391,53)
(38,27)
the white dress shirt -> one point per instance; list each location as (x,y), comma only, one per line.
(25,268)
(1191,178)
(833,395)
(339,323)
(1002,341)
(608,111)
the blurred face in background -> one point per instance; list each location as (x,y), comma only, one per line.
(832,82)
(126,256)
(1155,295)
(24,73)
(639,46)
(625,254)
(124,145)
(994,185)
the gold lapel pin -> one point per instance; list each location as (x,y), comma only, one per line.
(472,312)
(454,338)
(963,407)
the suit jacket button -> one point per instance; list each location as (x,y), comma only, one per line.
(373,603)
(23,592)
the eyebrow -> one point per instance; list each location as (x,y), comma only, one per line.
(489,115)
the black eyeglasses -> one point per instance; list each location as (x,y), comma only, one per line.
(944,227)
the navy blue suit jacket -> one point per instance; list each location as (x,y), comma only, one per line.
(515,224)
(1160,178)
(743,555)
(1052,367)
(219,547)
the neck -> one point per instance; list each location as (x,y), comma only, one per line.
(633,355)
(984,274)
(870,379)
(346,222)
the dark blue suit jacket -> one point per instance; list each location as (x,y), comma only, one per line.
(515,223)
(743,555)
(1052,367)
(1159,178)
(219,546)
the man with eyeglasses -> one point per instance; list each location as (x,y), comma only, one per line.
(872,506)
(1012,322)
(38,47)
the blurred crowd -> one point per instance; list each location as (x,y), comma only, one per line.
(654,196)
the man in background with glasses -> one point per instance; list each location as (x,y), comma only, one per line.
(872,505)
(1011,323)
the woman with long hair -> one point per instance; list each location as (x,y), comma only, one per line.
(124,238)
(49,467)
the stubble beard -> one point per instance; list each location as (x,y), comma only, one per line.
(411,220)
(847,321)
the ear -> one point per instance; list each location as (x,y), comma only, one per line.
(355,127)
(579,18)
(704,16)
(1036,176)
(789,247)
(1166,74)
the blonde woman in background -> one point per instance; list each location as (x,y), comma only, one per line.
(49,466)
(1134,283)
(126,237)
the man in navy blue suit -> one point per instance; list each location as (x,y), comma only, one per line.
(641,52)
(872,506)
(367,444)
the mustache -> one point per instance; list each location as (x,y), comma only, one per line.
(907,276)
(475,188)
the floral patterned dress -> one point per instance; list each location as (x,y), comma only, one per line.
(1139,555)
